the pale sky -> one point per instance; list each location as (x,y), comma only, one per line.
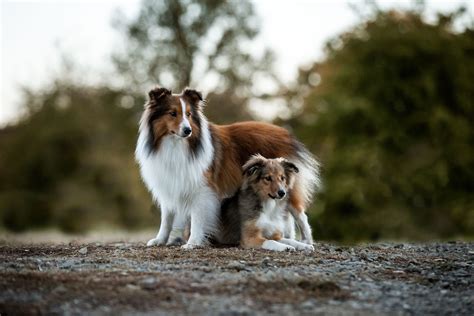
(35,33)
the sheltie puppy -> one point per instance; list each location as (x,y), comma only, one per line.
(191,165)
(257,215)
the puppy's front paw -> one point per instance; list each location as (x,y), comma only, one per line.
(289,248)
(308,242)
(276,246)
(307,248)
(155,242)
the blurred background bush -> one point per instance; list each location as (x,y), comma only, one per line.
(388,110)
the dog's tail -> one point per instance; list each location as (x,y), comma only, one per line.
(308,179)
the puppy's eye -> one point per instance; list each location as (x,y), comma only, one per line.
(283,178)
(173,114)
(188,114)
(268,178)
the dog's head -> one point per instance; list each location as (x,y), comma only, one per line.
(173,114)
(269,178)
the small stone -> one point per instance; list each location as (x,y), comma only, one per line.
(266,261)
(83,251)
(132,287)
(60,289)
(309,304)
(236,265)
(149,283)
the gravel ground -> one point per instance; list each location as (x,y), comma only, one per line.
(109,277)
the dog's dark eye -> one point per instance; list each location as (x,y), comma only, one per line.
(283,178)
(268,178)
(173,114)
(188,114)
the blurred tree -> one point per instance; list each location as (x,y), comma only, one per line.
(390,113)
(198,43)
(69,163)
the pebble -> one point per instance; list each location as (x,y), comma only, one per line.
(236,265)
(309,304)
(149,283)
(83,251)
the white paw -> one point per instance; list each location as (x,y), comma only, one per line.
(288,248)
(276,246)
(308,242)
(191,246)
(178,241)
(306,247)
(155,242)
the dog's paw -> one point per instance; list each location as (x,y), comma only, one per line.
(178,241)
(191,246)
(276,246)
(308,242)
(289,248)
(155,242)
(306,248)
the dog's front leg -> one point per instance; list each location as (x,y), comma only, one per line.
(204,218)
(180,232)
(289,231)
(166,225)
(302,222)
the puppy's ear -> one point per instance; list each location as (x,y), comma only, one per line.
(157,94)
(254,164)
(289,166)
(194,96)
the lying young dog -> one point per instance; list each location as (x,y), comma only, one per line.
(257,216)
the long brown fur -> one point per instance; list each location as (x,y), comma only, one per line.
(236,143)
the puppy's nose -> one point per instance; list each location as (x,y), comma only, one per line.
(281,193)
(187,131)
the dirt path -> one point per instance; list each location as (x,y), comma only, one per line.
(120,278)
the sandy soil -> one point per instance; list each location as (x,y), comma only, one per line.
(122,277)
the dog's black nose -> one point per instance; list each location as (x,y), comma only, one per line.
(281,193)
(187,131)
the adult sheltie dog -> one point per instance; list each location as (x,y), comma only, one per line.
(191,165)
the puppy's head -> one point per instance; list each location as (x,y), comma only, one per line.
(269,178)
(172,114)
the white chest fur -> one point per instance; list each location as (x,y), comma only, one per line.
(272,217)
(171,174)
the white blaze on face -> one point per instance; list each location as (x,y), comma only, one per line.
(185,121)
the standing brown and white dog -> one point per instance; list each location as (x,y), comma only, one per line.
(191,165)
(257,215)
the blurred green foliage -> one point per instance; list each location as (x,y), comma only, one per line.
(390,112)
(69,163)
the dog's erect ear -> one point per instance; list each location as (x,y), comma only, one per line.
(254,164)
(158,93)
(193,96)
(289,166)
